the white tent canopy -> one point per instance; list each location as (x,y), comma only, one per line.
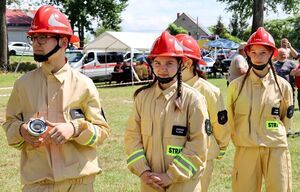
(123,41)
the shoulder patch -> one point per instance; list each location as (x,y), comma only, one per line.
(222,117)
(76,113)
(208,129)
(290,111)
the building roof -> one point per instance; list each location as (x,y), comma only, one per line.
(15,17)
(199,24)
(192,20)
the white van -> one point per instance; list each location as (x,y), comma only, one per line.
(97,65)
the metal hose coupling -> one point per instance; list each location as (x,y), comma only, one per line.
(37,127)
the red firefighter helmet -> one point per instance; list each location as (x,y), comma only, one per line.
(262,37)
(166,45)
(190,47)
(48,19)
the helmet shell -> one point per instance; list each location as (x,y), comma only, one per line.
(190,47)
(166,45)
(48,19)
(261,37)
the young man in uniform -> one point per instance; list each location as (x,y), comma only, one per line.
(54,115)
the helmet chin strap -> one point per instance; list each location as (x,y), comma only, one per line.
(43,58)
(259,67)
(165,80)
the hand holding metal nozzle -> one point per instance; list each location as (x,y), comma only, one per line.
(38,128)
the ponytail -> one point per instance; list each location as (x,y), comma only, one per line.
(178,101)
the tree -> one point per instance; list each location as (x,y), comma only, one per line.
(219,28)
(3,38)
(174,29)
(81,13)
(237,25)
(256,8)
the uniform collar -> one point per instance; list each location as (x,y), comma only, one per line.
(192,81)
(60,75)
(167,93)
(264,80)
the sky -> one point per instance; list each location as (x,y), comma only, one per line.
(156,15)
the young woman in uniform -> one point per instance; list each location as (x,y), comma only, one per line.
(219,134)
(260,108)
(165,139)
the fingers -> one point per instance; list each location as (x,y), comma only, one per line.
(157,187)
(50,123)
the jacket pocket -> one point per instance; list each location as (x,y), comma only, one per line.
(272,123)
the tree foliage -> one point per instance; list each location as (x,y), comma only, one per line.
(237,25)
(285,28)
(174,29)
(81,13)
(248,8)
(219,28)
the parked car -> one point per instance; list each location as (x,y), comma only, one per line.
(226,62)
(209,65)
(20,48)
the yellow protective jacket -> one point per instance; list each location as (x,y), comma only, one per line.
(220,137)
(64,96)
(164,140)
(260,115)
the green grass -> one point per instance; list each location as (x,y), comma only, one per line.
(117,103)
(24,58)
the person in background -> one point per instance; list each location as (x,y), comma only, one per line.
(238,65)
(127,73)
(54,115)
(297,83)
(286,68)
(217,68)
(165,139)
(117,74)
(260,110)
(219,135)
(291,52)
(142,70)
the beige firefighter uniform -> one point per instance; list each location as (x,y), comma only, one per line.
(219,139)
(65,96)
(164,140)
(259,119)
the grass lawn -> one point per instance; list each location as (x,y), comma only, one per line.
(117,103)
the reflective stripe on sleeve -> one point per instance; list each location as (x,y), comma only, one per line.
(19,145)
(138,154)
(222,152)
(185,164)
(93,139)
